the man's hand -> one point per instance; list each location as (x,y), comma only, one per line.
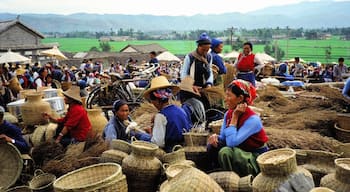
(213,140)
(5,138)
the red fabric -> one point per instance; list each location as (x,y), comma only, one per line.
(77,121)
(254,141)
(247,88)
(245,63)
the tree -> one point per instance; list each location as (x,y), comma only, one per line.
(94,48)
(274,50)
(105,46)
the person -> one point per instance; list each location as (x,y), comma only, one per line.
(299,68)
(328,74)
(170,121)
(216,48)
(346,89)
(40,81)
(191,104)
(12,134)
(246,63)
(197,64)
(75,126)
(242,137)
(116,127)
(339,70)
(153,57)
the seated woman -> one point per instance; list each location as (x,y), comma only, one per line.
(12,134)
(116,127)
(170,121)
(75,126)
(242,137)
(193,107)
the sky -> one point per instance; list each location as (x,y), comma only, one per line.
(153,7)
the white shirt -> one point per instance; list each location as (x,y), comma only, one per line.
(159,129)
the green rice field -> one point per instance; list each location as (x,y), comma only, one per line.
(309,50)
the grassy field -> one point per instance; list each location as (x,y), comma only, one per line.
(309,50)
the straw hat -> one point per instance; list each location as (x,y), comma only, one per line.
(73,68)
(186,85)
(20,71)
(159,83)
(73,93)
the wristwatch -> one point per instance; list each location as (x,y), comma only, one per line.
(13,141)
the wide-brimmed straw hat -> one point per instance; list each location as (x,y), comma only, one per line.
(159,83)
(187,85)
(20,71)
(73,93)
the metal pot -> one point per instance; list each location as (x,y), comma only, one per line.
(15,107)
(49,93)
(56,103)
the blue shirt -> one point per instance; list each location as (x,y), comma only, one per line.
(346,89)
(15,133)
(217,60)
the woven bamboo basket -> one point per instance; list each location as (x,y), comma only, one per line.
(38,136)
(344,120)
(319,163)
(276,166)
(141,167)
(121,145)
(199,156)
(177,154)
(42,182)
(215,126)
(190,180)
(343,149)
(245,184)
(90,178)
(19,189)
(195,139)
(172,170)
(321,189)
(338,181)
(341,134)
(113,156)
(228,180)
(11,165)
(160,154)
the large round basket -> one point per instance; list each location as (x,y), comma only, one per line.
(190,180)
(177,154)
(113,156)
(172,170)
(338,181)
(195,139)
(90,178)
(120,145)
(341,134)
(319,163)
(19,189)
(321,189)
(11,165)
(344,120)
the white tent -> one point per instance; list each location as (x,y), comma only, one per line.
(11,57)
(231,55)
(264,57)
(167,56)
(55,53)
(300,59)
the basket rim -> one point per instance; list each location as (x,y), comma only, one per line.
(84,168)
(16,158)
(336,126)
(262,158)
(340,161)
(197,134)
(144,145)
(344,114)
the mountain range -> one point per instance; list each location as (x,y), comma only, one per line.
(320,14)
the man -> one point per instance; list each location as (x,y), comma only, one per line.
(153,55)
(216,48)
(299,68)
(346,89)
(339,70)
(246,63)
(197,64)
(75,126)
(12,134)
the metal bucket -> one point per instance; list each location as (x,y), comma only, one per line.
(56,103)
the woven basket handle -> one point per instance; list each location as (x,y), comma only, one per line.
(176,147)
(165,166)
(133,138)
(184,130)
(38,172)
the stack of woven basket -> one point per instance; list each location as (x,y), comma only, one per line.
(119,150)
(177,156)
(342,128)
(195,148)
(340,180)
(99,177)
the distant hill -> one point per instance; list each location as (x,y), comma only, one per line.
(319,14)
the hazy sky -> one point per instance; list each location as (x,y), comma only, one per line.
(154,7)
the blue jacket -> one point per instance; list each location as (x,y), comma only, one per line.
(15,133)
(217,60)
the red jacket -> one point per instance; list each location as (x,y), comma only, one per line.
(245,63)
(77,121)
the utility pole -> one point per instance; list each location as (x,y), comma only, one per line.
(287,42)
(231,30)
(276,50)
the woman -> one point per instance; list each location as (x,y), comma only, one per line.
(191,104)
(75,126)
(170,121)
(242,137)
(116,127)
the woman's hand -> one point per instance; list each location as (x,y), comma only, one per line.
(240,109)
(213,140)
(46,116)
